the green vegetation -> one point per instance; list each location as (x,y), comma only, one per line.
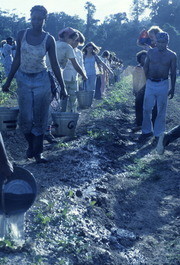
(117,33)
(9,99)
(118,95)
(143,169)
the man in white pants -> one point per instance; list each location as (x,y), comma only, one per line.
(160,62)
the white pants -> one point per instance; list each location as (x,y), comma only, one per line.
(155,92)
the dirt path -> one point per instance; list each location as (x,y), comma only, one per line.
(104,198)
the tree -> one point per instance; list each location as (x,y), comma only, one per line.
(58,21)
(91,23)
(10,24)
(138,7)
(166,11)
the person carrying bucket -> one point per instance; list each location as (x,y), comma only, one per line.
(92,63)
(34,86)
(65,53)
(70,74)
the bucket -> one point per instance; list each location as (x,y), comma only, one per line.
(85,98)
(18,192)
(8,118)
(65,123)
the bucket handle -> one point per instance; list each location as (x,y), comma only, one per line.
(84,85)
(2,198)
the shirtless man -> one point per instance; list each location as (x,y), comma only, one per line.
(160,62)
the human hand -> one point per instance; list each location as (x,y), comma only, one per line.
(84,77)
(171,93)
(5,87)
(63,93)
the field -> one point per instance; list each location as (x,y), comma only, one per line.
(104,198)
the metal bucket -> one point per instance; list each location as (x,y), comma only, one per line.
(65,123)
(18,193)
(85,98)
(8,118)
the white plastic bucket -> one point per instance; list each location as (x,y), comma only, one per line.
(85,98)
(65,123)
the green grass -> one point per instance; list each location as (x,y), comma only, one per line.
(144,169)
(8,99)
(117,97)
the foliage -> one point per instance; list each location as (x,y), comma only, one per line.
(117,33)
(119,93)
(58,21)
(9,99)
(138,8)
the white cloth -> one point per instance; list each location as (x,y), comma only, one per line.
(155,92)
(69,73)
(64,52)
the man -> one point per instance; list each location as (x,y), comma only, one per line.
(6,168)
(160,62)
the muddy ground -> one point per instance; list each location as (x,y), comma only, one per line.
(104,198)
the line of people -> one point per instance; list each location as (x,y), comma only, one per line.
(39,64)
(34,86)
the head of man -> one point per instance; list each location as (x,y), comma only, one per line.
(162,40)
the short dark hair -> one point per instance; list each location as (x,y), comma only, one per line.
(41,9)
(139,54)
(9,39)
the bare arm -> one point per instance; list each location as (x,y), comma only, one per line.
(99,61)
(51,48)
(146,65)
(173,69)
(15,64)
(78,68)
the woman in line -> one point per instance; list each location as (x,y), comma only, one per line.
(70,74)
(65,54)
(92,64)
(34,87)
(105,77)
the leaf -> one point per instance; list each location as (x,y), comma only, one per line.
(92,203)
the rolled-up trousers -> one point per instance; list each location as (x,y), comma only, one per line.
(155,92)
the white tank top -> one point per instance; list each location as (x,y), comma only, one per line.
(33,58)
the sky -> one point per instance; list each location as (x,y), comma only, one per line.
(71,7)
